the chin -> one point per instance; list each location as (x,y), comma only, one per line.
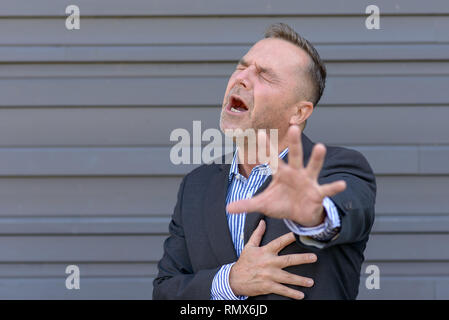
(226,124)
(232,126)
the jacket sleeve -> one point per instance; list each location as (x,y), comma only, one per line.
(176,278)
(356,203)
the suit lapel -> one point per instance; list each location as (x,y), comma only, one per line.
(252,219)
(214,210)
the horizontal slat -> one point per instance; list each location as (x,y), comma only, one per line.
(410,68)
(412,195)
(87,270)
(73,249)
(83,196)
(90,288)
(407,268)
(162,69)
(76,249)
(442,289)
(409,224)
(205,91)
(230,7)
(134,127)
(89,161)
(202,69)
(122,53)
(159,225)
(141,288)
(111,92)
(407,288)
(407,160)
(379,125)
(410,247)
(434,160)
(365,52)
(98,276)
(220,30)
(140,269)
(156,196)
(157,160)
(82,226)
(149,248)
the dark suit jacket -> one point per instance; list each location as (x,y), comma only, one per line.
(200,241)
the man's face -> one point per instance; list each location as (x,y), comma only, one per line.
(263,90)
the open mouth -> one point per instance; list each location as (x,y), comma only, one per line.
(237,105)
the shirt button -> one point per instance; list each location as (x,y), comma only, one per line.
(242,236)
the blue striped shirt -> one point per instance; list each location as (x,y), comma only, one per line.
(240,188)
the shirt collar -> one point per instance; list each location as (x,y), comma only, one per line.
(235,167)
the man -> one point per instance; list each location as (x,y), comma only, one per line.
(294,230)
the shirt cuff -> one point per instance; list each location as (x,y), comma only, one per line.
(221,290)
(323,232)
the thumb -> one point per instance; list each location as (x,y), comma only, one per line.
(257,235)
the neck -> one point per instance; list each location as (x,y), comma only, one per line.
(248,158)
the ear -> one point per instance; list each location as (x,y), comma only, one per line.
(303,110)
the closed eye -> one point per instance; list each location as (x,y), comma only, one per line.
(261,72)
(263,76)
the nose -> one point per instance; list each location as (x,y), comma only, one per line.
(242,81)
(243,78)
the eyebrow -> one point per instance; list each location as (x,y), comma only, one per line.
(267,71)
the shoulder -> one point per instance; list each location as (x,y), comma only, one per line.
(337,157)
(344,162)
(342,156)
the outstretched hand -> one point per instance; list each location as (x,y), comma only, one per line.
(294,193)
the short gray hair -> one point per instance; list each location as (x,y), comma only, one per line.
(316,69)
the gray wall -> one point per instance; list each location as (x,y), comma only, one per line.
(85,118)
